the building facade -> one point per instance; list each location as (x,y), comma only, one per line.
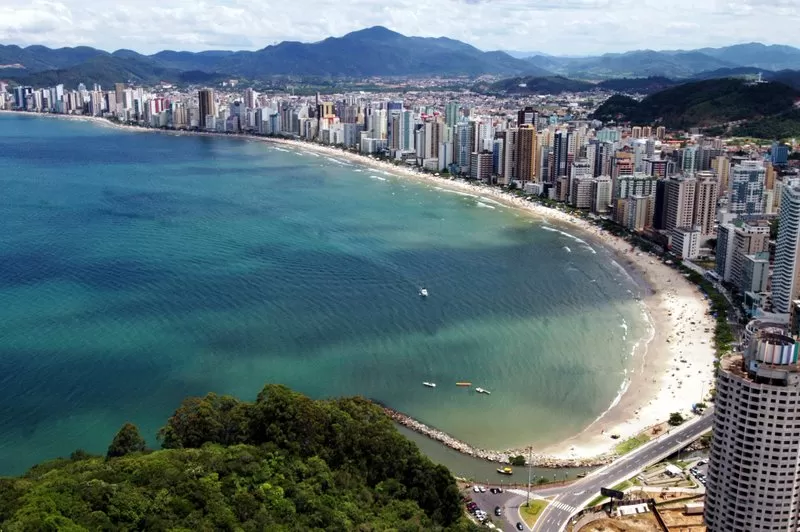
(754,471)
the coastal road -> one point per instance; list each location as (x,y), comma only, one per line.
(558,513)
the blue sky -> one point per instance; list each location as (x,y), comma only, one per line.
(565,27)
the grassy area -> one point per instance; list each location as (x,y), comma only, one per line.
(631,444)
(531,513)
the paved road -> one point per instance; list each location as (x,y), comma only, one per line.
(557,514)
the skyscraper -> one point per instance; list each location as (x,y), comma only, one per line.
(679,206)
(560,154)
(527,116)
(705,202)
(747,188)
(526,153)
(452,114)
(205,98)
(754,472)
(785,282)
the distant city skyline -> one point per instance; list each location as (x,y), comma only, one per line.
(565,27)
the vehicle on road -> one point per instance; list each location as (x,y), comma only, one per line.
(519,526)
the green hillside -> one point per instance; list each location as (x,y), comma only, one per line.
(284,462)
(702,104)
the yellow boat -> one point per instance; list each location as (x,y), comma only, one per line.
(463,384)
(504,470)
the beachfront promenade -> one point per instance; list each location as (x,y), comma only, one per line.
(574,496)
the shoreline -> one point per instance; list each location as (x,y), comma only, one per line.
(677,358)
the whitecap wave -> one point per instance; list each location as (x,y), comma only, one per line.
(566,248)
(485,206)
(377,177)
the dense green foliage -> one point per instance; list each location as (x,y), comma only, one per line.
(646,85)
(723,334)
(536,85)
(783,126)
(127,441)
(702,104)
(618,108)
(283,462)
(675,419)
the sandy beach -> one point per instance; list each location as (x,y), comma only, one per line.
(671,370)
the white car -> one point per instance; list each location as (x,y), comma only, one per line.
(481,489)
(475,489)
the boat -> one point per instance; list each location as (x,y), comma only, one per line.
(429,384)
(463,384)
(423,292)
(581,475)
(481,390)
(505,470)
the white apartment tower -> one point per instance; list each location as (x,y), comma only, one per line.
(785,282)
(746,183)
(754,471)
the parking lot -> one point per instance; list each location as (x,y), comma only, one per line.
(494,505)
(700,471)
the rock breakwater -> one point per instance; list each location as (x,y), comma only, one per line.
(504,457)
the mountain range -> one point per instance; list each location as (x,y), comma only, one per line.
(380,52)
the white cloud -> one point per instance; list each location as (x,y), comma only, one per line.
(552,26)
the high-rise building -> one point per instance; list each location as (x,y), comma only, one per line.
(510,155)
(705,202)
(527,151)
(452,114)
(560,154)
(747,188)
(786,271)
(601,194)
(205,98)
(679,206)
(634,185)
(527,116)
(481,166)
(754,472)
(779,154)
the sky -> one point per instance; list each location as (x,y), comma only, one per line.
(558,27)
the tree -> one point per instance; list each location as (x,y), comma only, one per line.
(518,460)
(675,419)
(128,440)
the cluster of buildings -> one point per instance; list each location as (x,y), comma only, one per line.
(692,195)
(695,196)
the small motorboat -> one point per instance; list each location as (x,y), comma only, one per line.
(481,390)
(463,384)
(423,292)
(429,384)
(505,470)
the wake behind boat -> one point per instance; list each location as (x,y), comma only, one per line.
(429,384)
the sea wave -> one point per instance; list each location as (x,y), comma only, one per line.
(458,192)
(573,237)
(485,206)
(377,177)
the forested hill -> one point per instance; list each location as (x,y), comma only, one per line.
(284,462)
(702,104)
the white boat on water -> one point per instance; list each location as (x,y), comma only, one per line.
(423,292)
(481,390)
(429,384)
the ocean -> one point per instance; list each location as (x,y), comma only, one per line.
(137,269)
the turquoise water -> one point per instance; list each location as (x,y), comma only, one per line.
(137,269)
